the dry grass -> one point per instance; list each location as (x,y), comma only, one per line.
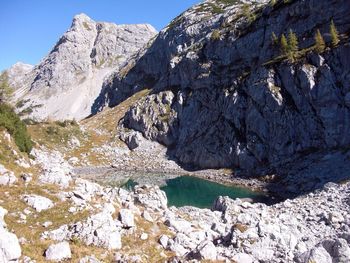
(32,228)
(96,131)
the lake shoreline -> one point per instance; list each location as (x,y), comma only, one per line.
(107,174)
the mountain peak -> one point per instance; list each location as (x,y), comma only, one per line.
(82,17)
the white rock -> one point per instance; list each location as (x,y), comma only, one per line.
(39,203)
(89,259)
(207,251)
(147,216)
(163,240)
(9,246)
(3,212)
(47,224)
(335,217)
(263,254)
(58,252)
(8,178)
(144,236)
(127,218)
(242,258)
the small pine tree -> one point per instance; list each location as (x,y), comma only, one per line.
(274,39)
(292,42)
(334,34)
(320,45)
(5,89)
(284,45)
(292,46)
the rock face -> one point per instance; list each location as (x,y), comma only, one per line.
(221,97)
(65,84)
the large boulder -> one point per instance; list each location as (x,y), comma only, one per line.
(151,197)
(39,203)
(58,252)
(127,218)
(7,177)
(10,250)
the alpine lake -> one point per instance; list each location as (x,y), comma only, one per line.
(193,191)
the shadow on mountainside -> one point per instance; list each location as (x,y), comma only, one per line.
(303,175)
(309,173)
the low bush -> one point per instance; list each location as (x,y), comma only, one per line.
(16,127)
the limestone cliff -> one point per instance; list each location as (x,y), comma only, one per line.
(222,94)
(66,82)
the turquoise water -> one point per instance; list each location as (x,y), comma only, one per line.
(187,190)
(193,191)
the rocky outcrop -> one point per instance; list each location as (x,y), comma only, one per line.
(221,95)
(65,84)
(7,177)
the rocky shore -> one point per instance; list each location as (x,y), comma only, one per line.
(310,228)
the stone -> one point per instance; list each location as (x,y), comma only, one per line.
(179,225)
(58,252)
(317,254)
(39,203)
(207,251)
(151,197)
(47,224)
(3,212)
(144,236)
(10,249)
(243,258)
(89,259)
(26,177)
(132,139)
(146,215)
(263,254)
(164,240)
(7,178)
(86,190)
(335,217)
(99,229)
(127,218)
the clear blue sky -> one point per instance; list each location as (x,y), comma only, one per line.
(30,28)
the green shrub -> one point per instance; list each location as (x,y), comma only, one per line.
(16,127)
(215,35)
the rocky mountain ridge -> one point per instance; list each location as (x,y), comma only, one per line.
(222,95)
(66,82)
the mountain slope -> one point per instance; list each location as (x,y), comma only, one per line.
(224,96)
(66,82)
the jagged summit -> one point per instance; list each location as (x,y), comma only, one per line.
(66,82)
